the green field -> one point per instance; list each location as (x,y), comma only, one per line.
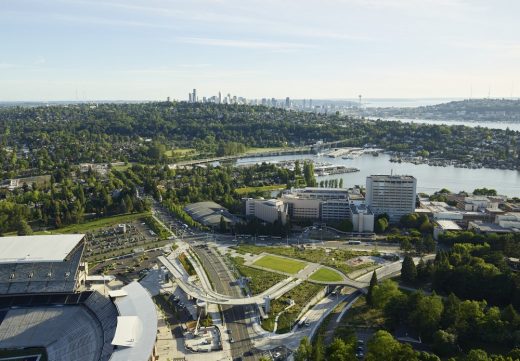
(326,275)
(246,190)
(97,223)
(260,280)
(334,258)
(280,264)
(254,150)
(179,152)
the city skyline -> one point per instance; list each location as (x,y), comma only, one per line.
(137,50)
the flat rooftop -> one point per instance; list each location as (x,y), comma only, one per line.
(46,248)
(448,225)
(387,177)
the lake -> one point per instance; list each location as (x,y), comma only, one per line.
(492,125)
(429,178)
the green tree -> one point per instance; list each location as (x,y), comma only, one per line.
(444,343)
(339,350)
(380,225)
(426,316)
(382,346)
(318,350)
(408,270)
(23,228)
(477,355)
(384,293)
(345,225)
(373,283)
(304,351)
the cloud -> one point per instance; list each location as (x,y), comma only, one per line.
(246,44)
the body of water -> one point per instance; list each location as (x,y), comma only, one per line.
(492,125)
(429,178)
(403,102)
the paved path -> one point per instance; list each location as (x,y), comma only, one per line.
(206,293)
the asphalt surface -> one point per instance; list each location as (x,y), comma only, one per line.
(235,316)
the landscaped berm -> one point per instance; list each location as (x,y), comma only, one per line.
(280,264)
(326,275)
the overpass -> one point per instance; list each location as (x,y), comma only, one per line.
(205,293)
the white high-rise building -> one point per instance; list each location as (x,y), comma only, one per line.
(391,194)
(219,97)
(194,96)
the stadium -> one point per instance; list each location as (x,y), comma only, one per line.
(48,314)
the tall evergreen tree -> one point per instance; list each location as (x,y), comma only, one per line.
(318,350)
(373,283)
(408,270)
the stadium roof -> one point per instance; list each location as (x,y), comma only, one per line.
(47,248)
(126,331)
(142,328)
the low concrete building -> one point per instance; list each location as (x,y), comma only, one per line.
(485,227)
(442,226)
(325,204)
(362,218)
(509,220)
(268,210)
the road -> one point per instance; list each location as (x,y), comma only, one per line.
(236,317)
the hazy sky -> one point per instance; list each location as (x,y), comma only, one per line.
(151,49)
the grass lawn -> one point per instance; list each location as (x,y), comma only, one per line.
(97,223)
(301,294)
(254,150)
(280,264)
(326,275)
(246,190)
(123,167)
(361,315)
(334,258)
(179,152)
(260,280)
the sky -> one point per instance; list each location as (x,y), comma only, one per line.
(152,49)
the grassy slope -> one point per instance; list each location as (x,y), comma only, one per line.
(280,264)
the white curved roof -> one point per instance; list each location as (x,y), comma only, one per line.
(137,325)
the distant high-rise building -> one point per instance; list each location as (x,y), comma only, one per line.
(190,96)
(391,194)
(194,96)
(219,97)
(304,103)
(168,99)
(287,102)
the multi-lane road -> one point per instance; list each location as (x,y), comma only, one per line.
(236,317)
